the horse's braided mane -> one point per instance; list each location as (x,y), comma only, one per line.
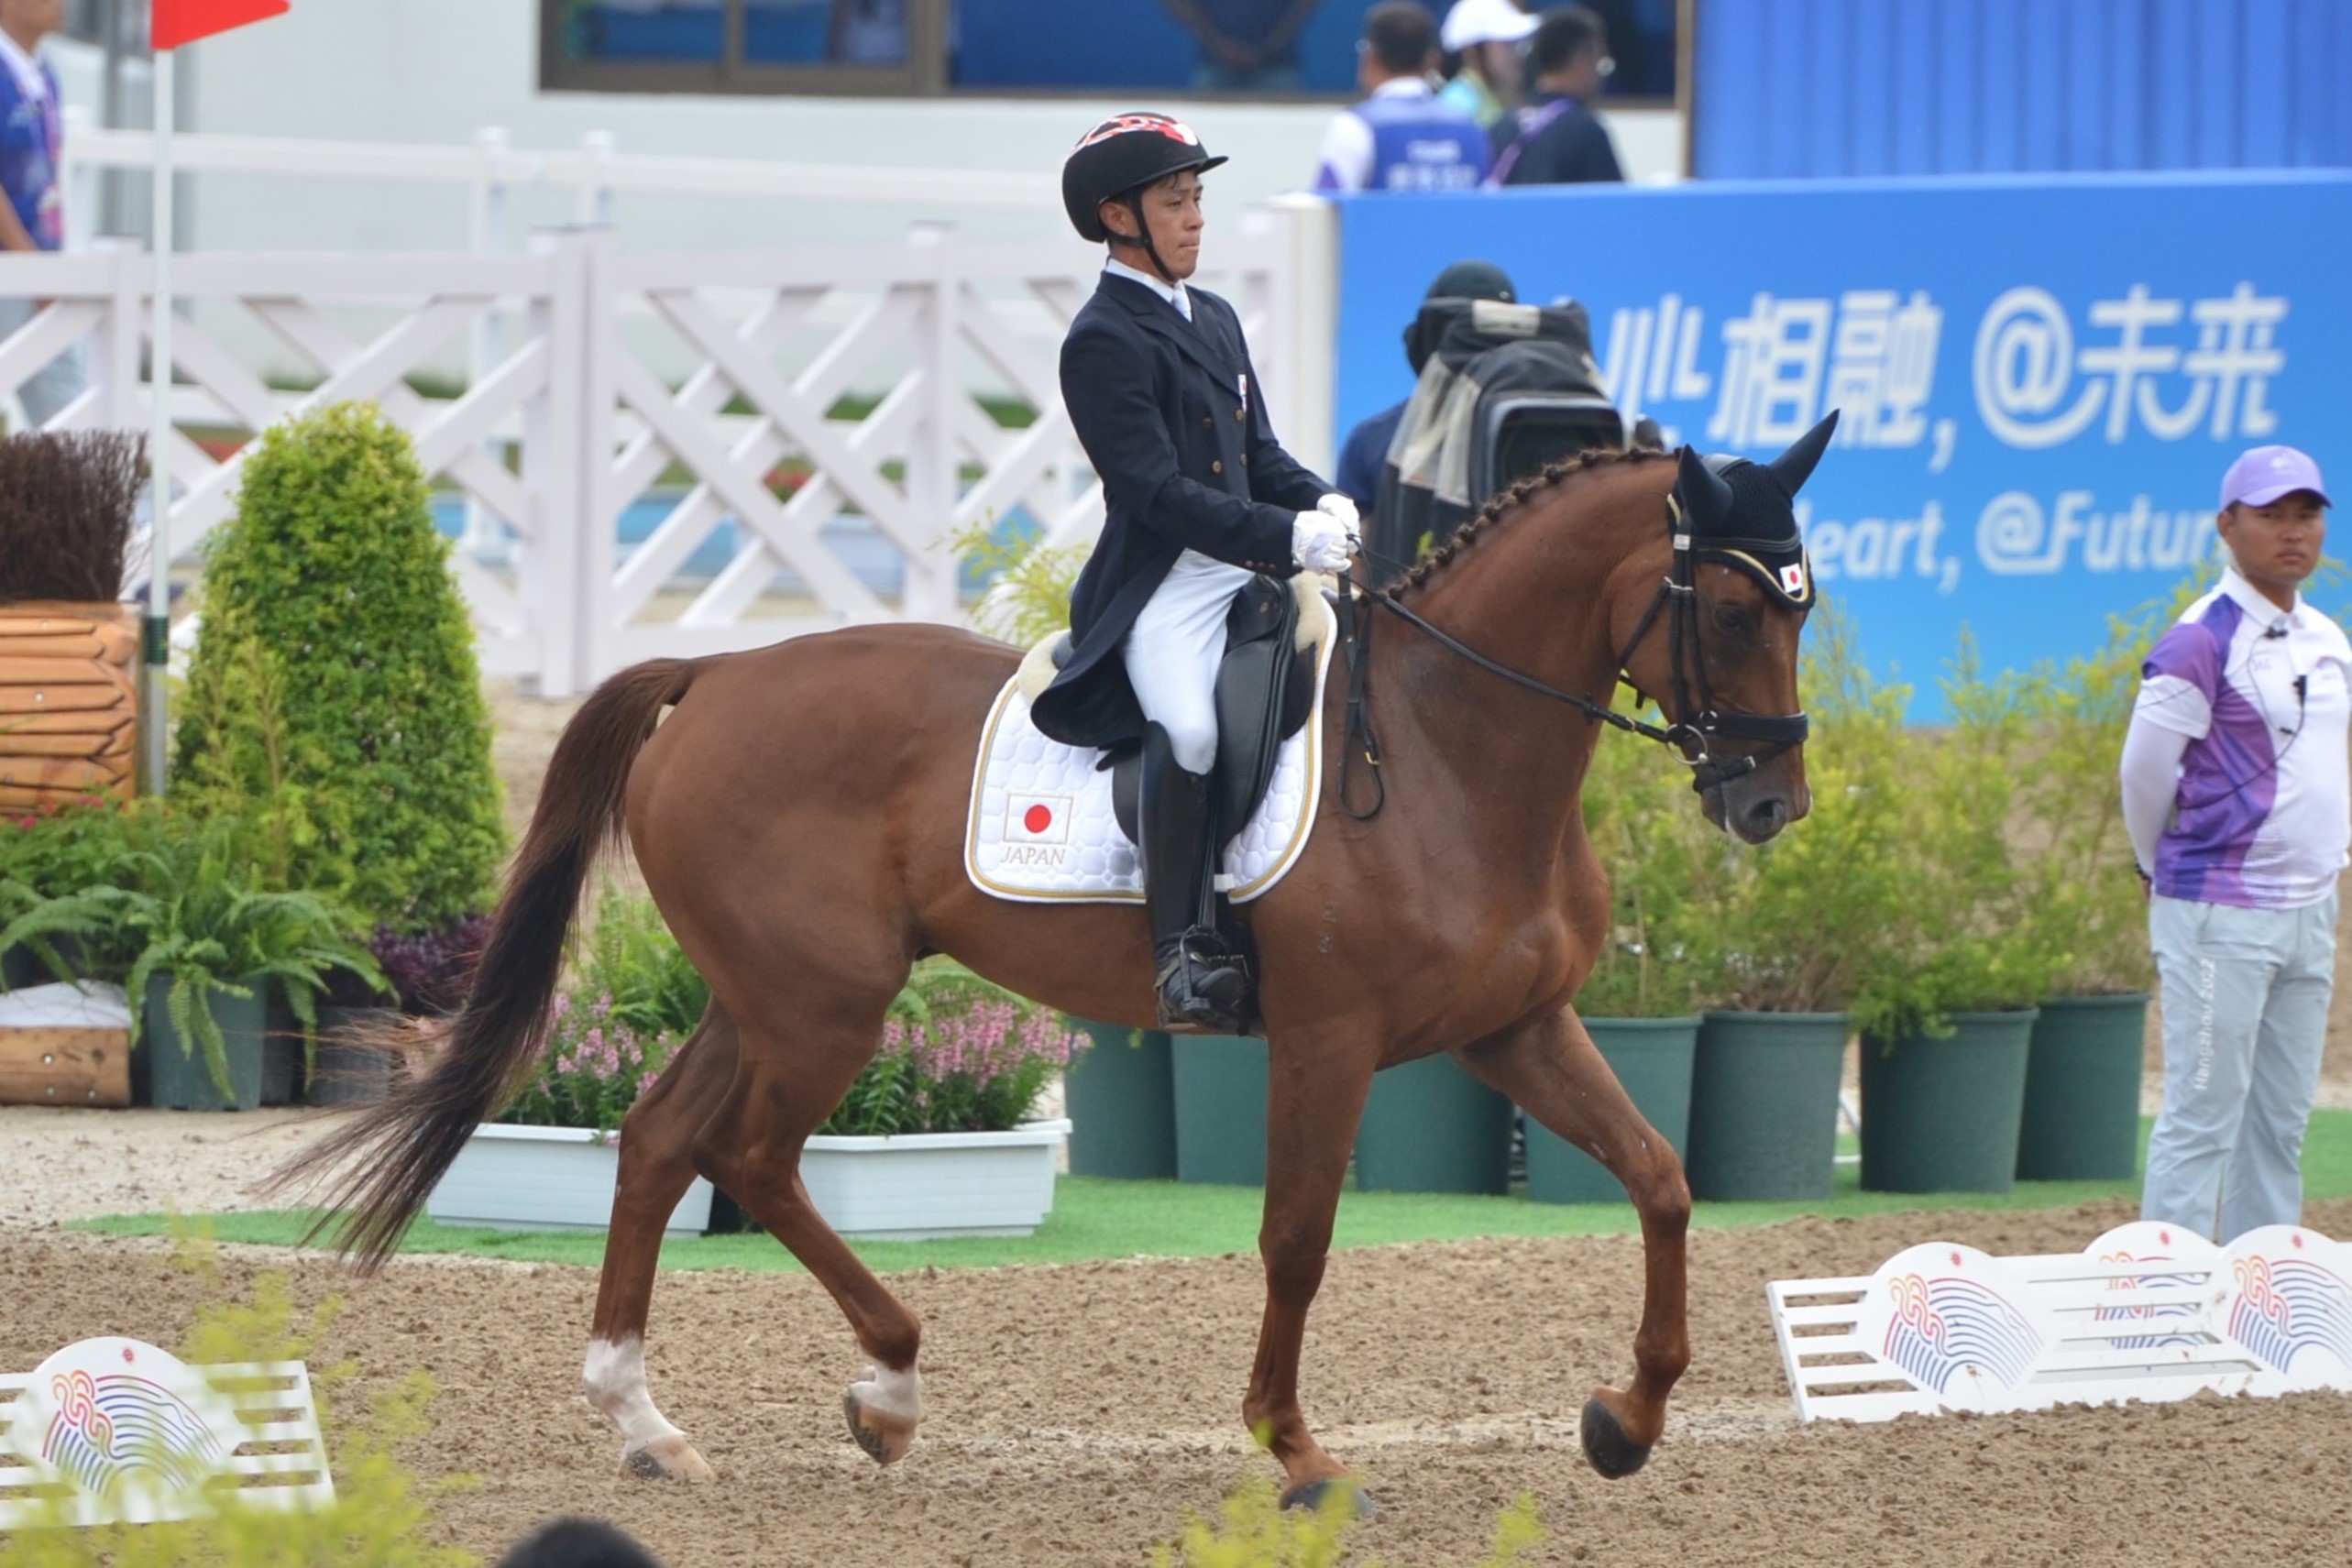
(1437,560)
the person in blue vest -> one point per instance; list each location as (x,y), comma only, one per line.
(32,211)
(1365,451)
(1403,136)
(1198,496)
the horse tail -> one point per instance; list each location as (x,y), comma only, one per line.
(385,1164)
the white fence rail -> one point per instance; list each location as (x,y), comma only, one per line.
(614,516)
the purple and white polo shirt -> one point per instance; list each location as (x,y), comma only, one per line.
(2264,809)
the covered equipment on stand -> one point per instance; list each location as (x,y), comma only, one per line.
(1504,389)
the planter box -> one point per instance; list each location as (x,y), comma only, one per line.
(1651,1059)
(544,1178)
(2083,1069)
(1121,1095)
(1764,1106)
(1429,1126)
(69,702)
(1942,1115)
(1220,1109)
(919,1186)
(170,1072)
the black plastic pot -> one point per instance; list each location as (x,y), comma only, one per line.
(1764,1106)
(2081,1120)
(1651,1059)
(348,1071)
(1121,1097)
(1220,1109)
(170,1072)
(1429,1126)
(1942,1115)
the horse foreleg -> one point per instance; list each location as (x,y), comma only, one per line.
(1310,1114)
(1558,1077)
(656,1167)
(752,1149)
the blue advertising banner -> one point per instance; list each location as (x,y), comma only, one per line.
(2041,380)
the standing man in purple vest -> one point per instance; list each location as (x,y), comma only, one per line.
(1403,136)
(2237,798)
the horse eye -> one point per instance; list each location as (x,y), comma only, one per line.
(1731,618)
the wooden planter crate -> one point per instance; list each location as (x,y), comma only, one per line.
(69,702)
(65,1067)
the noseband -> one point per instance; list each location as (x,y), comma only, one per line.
(1678,595)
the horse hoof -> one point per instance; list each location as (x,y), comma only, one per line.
(665,1459)
(884,1437)
(1607,1447)
(1312,1494)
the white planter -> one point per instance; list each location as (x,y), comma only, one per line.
(925,1185)
(544,1178)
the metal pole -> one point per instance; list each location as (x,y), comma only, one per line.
(158,464)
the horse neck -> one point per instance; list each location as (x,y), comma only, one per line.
(1545,594)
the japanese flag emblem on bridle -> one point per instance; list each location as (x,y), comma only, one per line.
(1792,579)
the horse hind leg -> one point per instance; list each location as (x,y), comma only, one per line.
(751,1147)
(656,1168)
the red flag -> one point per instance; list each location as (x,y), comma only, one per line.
(177,22)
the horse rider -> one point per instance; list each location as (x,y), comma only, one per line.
(1198,497)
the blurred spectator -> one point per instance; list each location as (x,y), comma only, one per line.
(32,217)
(1483,36)
(1362,459)
(1402,137)
(1246,45)
(577,1543)
(1554,139)
(866,32)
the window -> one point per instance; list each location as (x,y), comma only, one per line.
(1274,48)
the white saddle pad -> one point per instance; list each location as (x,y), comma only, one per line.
(1042,830)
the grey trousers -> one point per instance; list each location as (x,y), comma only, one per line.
(2244,995)
(53,385)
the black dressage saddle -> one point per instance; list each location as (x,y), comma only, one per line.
(1264,691)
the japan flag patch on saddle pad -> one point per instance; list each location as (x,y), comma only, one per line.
(1042,830)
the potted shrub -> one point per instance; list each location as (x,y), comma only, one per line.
(69,696)
(933,1138)
(2081,1120)
(196,946)
(1120,1093)
(44,853)
(1790,923)
(1640,1003)
(334,700)
(1947,1000)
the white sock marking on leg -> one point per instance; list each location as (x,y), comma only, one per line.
(614,1382)
(889,1393)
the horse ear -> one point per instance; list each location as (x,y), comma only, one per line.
(1706,495)
(1795,465)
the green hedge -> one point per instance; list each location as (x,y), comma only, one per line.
(335,700)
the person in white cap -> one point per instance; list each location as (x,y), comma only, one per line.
(2237,799)
(1483,39)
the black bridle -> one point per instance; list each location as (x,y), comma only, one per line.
(1678,595)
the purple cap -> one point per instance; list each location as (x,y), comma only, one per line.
(2266,472)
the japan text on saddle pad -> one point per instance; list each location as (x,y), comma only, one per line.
(1043,829)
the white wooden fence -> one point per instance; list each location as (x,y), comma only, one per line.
(563,432)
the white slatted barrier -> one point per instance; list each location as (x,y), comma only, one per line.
(740,489)
(115,1430)
(2146,1311)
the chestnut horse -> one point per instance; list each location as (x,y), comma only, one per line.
(799,819)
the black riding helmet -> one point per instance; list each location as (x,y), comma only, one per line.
(1118,161)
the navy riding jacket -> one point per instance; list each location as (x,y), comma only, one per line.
(1169,413)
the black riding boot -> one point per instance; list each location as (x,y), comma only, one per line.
(1201,985)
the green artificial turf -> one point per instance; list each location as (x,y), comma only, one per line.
(1094,1219)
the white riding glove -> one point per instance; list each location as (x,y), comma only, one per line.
(1343,508)
(1319,542)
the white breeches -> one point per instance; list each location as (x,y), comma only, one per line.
(1173,650)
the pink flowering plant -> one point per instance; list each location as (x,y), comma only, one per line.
(958,1055)
(592,1067)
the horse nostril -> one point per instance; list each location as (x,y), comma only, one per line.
(1766,818)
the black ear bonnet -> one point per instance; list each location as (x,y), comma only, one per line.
(1742,514)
